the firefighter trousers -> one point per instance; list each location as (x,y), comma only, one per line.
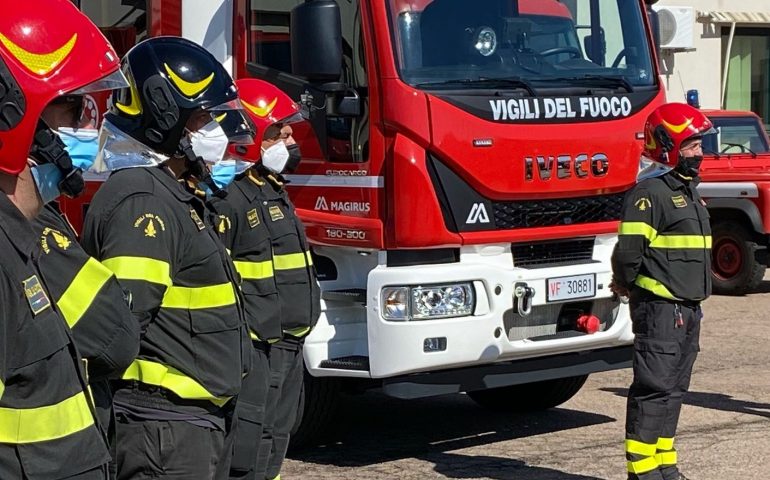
(286,375)
(665,348)
(250,412)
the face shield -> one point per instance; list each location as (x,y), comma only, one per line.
(118,151)
(234,122)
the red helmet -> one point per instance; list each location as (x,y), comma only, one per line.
(266,105)
(668,126)
(48,48)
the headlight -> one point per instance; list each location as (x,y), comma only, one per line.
(486,41)
(428,302)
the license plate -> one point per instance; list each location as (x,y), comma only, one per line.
(568,288)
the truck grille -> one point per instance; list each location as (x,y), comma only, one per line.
(549,254)
(553,212)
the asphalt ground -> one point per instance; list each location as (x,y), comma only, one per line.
(724,432)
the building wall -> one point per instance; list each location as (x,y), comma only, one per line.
(702,67)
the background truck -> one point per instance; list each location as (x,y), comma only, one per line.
(736,186)
(464,169)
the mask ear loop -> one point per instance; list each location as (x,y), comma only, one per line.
(196,167)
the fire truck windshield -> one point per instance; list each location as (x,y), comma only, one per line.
(521,44)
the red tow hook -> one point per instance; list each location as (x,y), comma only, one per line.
(588,323)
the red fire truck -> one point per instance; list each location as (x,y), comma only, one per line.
(464,169)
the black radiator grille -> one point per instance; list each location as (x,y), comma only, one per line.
(553,212)
(547,254)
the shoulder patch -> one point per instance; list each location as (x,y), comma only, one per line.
(679,201)
(36,296)
(197,219)
(643,204)
(150,223)
(275,213)
(59,239)
(224,224)
(253,217)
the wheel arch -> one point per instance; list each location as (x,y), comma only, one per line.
(737,210)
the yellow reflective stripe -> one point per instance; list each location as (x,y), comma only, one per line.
(255,270)
(82,291)
(643,466)
(254,336)
(666,458)
(654,286)
(2,388)
(637,228)
(665,443)
(639,448)
(194,298)
(140,268)
(159,375)
(298,332)
(29,425)
(681,241)
(290,261)
(309,258)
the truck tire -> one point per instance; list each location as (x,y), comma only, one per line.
(316,411)
(734,266)
(529,396)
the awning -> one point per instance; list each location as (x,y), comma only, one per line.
(718,16)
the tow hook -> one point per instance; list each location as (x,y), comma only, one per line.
(523,294)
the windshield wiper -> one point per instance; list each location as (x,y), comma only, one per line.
(597,80)
(483,82)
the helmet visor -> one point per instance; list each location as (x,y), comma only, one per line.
(118,151)
(113,81)
(237,126)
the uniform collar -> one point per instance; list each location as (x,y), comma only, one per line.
(16,227)
(163,176)
(675,181)
(250,183)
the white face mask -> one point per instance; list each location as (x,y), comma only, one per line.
(275,157)
(210,142)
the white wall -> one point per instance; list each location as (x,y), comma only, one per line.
(702,67)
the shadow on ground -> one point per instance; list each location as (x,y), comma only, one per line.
(453,465)
(374,428)
(716,401)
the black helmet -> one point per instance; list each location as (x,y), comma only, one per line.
(171,79)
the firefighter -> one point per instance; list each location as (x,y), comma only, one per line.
(48,428)
(89,297)
(173,405)
(662,263)
(272,255)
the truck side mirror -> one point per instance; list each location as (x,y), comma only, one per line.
(596,47)
(316,41)
(655,24)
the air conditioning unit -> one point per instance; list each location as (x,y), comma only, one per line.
(676,26)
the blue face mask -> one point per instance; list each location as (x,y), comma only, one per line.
(223,173)
(47,177)
(82,146)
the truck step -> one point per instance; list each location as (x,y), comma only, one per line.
(355,362)
(355,295)
(558,335)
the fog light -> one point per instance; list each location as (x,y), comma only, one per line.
(434,344)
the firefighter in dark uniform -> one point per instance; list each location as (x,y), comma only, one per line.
(272,255)
(48,427)
(92,302)
(174,403)
(662,262)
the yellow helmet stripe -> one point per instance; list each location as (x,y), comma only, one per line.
(261,110)
(189,89)
(135,107)
(40,64)
(677,128)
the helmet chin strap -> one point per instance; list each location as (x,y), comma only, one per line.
(196,167)
(47,147)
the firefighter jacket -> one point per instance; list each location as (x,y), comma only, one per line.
(247,239)
(47,423)
(144,226)
(89,298)
(269,239)
(664,242)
